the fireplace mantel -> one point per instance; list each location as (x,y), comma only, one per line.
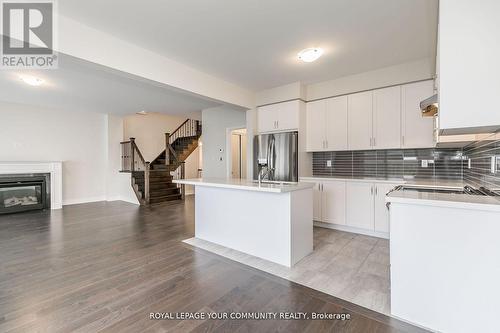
(54,168)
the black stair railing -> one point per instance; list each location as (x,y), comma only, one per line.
(183,134)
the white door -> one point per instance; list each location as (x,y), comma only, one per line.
(336,123)
(359,115)
(288,115)
(267,118)
(417,131)
(333,202)
(359,205)
(381,210)
(315,123)
(387,118)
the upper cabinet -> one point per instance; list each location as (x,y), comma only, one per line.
(279,117)
(416,129)
(327,124)
(388,118)
(469,70)
(360,121)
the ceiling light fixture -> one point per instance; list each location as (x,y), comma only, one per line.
(32,81)
(142,113)
(310,54)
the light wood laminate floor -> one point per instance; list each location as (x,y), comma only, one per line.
(107,266)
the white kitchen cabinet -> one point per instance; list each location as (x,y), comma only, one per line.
(329,201)
(327,124)
(336,123)
(381,210)
(317,201)
(360,120)
(359,205)
(352,205)
(417,131)
(315,119)
(279,117)
(387,118)
(333,202)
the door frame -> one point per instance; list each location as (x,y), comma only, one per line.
(229,159)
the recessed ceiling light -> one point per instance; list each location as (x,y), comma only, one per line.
(142,113)
(32,81)
(310,54)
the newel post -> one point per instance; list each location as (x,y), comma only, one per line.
(146,183)
(167,148)
(132,154)
(183,176)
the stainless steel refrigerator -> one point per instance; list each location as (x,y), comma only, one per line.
(277,154)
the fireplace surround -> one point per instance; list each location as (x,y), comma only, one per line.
(24,192)
(54,168)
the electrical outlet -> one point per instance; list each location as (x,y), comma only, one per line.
(329,163)
(424,163)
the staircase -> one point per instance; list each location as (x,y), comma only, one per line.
(152,182)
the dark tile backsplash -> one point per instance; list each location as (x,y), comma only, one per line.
(482,156)
(446,164)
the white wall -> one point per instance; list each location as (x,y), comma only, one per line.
(78,139)
(118,185)
(404,73)
(287,92)
(469,71)
(216,122)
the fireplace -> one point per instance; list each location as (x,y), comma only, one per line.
(23,192)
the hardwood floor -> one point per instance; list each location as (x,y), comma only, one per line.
(107,266)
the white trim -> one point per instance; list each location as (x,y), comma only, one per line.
(54,168)
(83,200)
(229,156)
(122,198)
(347,228)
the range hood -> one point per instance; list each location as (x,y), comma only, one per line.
(429,106)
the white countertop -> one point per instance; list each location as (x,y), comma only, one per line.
(463,201)
(243,184)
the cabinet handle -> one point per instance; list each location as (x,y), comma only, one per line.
(371,142)
(376,190)
(277,123)
(326,143)
(403,139)
(374,142)
(371,190)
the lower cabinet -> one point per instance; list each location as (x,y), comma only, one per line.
(329,201)
(360,203)
(356,204)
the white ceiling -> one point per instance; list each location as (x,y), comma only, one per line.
(80,85)
(254,43)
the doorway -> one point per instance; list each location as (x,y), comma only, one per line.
(239,153)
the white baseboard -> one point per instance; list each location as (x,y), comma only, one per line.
(83,200)
(119,198)
(347,228)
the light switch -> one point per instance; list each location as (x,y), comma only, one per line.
(329,163)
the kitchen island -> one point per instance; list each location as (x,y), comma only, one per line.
(445,260)
(269,221)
